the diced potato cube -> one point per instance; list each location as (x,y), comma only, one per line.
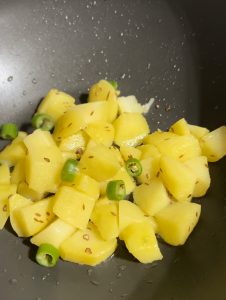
(152,197)
(87,185)
(129,213)
(105,218)
(141,242)
(130,129)
(149,151)
(5,191)
(177,178)
(18,173)
(130,152)
(176,221)
(101,132)
(73,207)
(199,166)
(99,162)
(43,163)
(198,131)
(15,151)
(56,103)
(180,127)
(150,169)
(104,91)
(17,201)
(176,146)
(24,190)
(79,117)
(129,104)
(213,144)
(75,143)
(54,234)
(87,247)
(4,174)
(34,217)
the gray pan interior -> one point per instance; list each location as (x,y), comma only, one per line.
(174,51)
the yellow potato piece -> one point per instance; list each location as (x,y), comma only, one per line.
(152,197)
(54,234)
(141,242)
(43,163)
(34,217)
(176,222)
(104,91)
(73,207)
(87,247)
(213,144)
(56,103)
(177,178)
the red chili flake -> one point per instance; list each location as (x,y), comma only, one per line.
(88,251)
(37,220)
(5,208)
(181,155)
(38,214)
(92,112)
(83,206)
(113,214)
(85,237)
(46,159)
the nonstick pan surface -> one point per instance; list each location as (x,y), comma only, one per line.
(173,51)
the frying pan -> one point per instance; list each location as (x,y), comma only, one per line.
(173,51)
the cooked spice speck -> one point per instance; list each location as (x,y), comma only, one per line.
(88,251)
(46,159)
(85,237)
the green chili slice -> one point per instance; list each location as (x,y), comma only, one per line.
(47,255)
(9,131)
(114,84)
(116,190)
(69,170)
(42,121)
(133,167)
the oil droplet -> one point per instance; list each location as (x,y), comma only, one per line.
(95,282)
(119,275)
(89,272)
(57,282)
(13,281)
(10,78)
(24,93)
(122,267)
(149,281)
(110,290)
(34,81)
(19,257)
(52,75)
(38,298)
